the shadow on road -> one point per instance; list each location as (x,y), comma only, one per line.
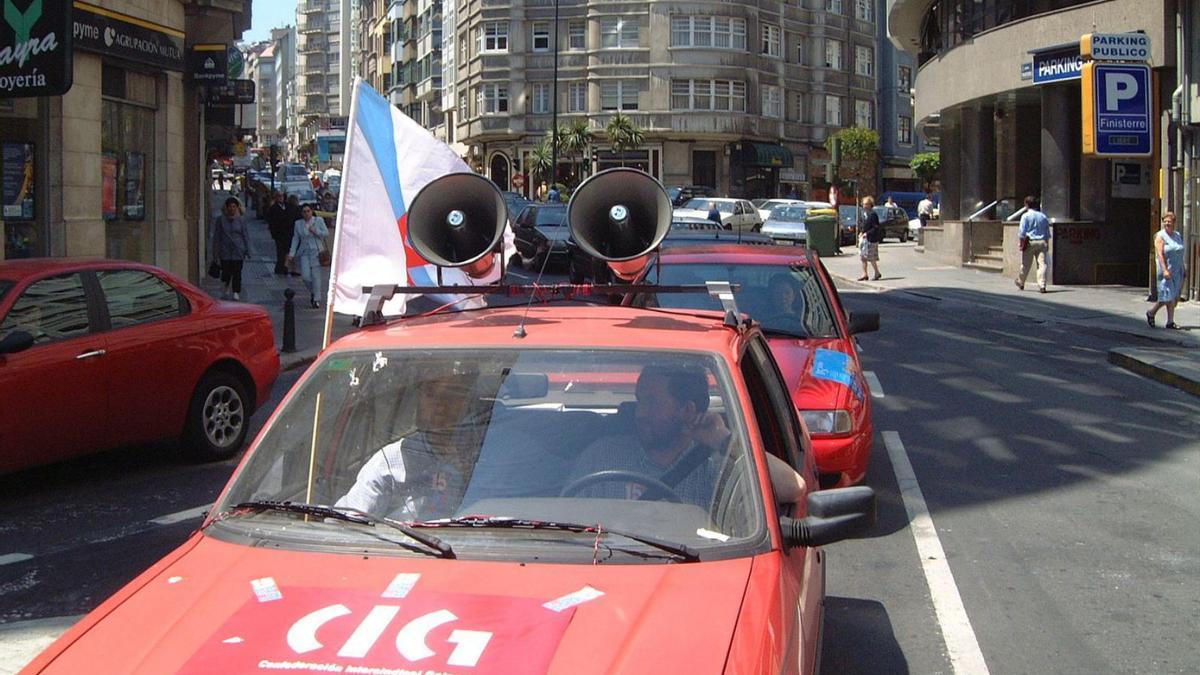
(858,638)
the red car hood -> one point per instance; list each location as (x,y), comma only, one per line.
(810,389)
(230,608)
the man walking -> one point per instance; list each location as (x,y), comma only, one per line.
(279,222)
(1033,238)
(925,209)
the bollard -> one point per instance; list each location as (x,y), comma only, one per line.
(289,321)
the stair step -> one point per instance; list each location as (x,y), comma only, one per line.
(990,258)
(983,267)
(996,250)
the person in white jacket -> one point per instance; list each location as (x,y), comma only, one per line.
(308,241)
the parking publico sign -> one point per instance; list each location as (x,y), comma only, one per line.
(1117,109)
(1115,46)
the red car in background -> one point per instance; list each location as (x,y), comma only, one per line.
(97,354)
(810,333)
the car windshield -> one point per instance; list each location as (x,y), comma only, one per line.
(550,216)
(785,299)
(704,205)
(5,285)
(420,435)
(674,193)
(789,213)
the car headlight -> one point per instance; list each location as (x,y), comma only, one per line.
(825,422)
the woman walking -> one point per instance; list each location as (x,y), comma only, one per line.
(1168,254)
(308,240)
(869,236)
(231,247)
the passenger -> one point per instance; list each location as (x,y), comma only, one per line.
(783,296)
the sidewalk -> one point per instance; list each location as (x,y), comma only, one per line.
(1168,356)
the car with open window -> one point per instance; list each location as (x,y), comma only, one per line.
(99,354)
(552,488)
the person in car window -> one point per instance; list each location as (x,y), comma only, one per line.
(784,296)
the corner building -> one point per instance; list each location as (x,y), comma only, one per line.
(737,96)
(998,85)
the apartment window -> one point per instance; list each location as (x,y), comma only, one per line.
(772,102)
(864,10)
(619,95)
(798,112)
(800,49)
(834,6)
(833,54)
(720,32)
(770,40)
(862,115)
(462,49)
(462,106)
(541,36)
(541,99)
(493,36)
(577,97)
(904,126)
(576,35)
(618,33)
(864,61)
(491,99)
(904,79)
(715,95)
(833,111)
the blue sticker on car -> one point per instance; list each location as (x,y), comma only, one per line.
(829,364)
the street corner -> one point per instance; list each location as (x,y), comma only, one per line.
(1178,367)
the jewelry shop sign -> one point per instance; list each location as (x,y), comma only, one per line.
(35,48)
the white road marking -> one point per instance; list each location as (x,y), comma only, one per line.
(965,656)
(181,516)
(873,382)
(14,558)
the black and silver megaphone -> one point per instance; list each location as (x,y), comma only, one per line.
(457,221)
(620,216)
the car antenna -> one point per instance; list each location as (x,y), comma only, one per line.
(520,332)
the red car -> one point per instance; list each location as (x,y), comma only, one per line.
(97,354)
(788,291)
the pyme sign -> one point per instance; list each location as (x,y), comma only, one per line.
(35,48)
(1117,110)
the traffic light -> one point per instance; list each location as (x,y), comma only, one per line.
(835,152)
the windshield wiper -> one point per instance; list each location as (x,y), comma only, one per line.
(680,550)
(441,548)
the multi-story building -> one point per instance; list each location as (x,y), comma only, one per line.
(738,96)
(323,66)
(260,67)
(416,61)
(284,41)
(374,47)
(898,141)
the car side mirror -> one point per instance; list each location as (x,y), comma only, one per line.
(833,515)
(16,341)
(864,322)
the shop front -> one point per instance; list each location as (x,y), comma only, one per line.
(754,169)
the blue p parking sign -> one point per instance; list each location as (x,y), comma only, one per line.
(1117,110)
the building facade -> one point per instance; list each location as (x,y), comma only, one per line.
(1183,155)
(740,97)
(898,140)
(415,27)
(116,166)
(998,83)
(324,46)
(284,42)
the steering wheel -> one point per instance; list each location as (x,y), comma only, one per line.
(654,487)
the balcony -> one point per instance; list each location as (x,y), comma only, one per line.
(312,25)
(313,6)
(313,46)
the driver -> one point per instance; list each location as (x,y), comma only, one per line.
(783,296)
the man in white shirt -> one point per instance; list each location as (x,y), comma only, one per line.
(925,209)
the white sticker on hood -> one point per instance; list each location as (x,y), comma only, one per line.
(265,589)
(571,599)
(401,585)
(232,641)
(709,534)
(379,363)
(174,580)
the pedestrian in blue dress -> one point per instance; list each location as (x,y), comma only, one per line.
(308,241)
(1168,254)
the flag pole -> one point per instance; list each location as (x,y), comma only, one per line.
(327,335)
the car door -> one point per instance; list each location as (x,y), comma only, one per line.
(752,219)
(54,395)
(523,232)
(155,348)
(802,582)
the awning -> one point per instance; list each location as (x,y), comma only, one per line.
(766,154)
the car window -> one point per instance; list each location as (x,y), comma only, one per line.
(789,213)
(423,434)
(550,216)
(50,309)
(786,299)
(136,296)
(700,204)
(5,286)
(772,407)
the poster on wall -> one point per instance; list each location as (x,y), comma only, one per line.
(16,181)
(108,185)
(135,181)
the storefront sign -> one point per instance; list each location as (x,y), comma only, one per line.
(1130,180)
(16,181)
(1056,64)
(234,92)
(35,48)
(1116,110)
(235,63)
(115,34)
(1115,46)
(207,63)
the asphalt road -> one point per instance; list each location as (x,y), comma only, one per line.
(1048,525)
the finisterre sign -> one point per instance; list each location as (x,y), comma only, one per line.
(127,37)
(1115,46)
(35,48)
(1117,110)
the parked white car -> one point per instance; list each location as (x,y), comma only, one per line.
(736,214)
(765,206)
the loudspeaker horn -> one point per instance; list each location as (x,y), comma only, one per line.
(620,216)
(457,221)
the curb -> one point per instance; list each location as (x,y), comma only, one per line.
(298,359)
(22,641)
(1120,357)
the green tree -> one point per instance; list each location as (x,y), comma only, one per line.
(927,166)
(860,156)
(573,141)
(542,158)
(624,134)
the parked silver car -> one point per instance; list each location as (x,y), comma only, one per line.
(787,225)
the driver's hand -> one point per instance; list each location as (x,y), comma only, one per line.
(709,430)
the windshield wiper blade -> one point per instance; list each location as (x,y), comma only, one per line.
(681,550)
(441,548)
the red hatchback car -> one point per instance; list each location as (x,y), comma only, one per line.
(788,291)
(97,354)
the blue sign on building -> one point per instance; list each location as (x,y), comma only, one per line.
(1117,109)
(1056,64)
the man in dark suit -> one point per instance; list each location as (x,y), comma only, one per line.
(280,222)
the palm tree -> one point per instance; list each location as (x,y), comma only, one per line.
(542,158)
(573,141)
(624,134)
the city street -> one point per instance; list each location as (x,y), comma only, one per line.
(1036,508)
